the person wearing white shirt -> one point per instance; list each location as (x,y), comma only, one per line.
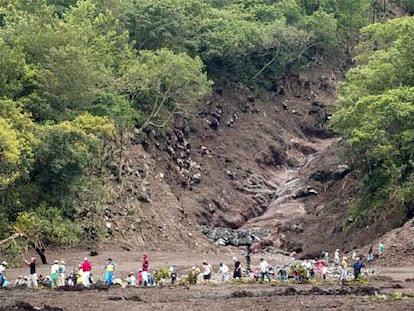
(131,279)
(54,274)
(264,269)
(224,270)
(336,257)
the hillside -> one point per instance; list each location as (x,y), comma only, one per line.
(270,163)
(120,124)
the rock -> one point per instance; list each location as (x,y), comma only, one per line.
(219,90)
(305,193)
(143,197)
(226,236)
(231,175)
(214,124)
(318,104)
(221,242)
(196,178)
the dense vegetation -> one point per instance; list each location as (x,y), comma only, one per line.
(75,76)
(376,117)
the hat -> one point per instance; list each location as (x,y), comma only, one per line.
(62,262)
(85,259)
(4,263)
(56,261)
(235,258)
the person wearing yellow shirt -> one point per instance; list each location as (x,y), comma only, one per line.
(109,267)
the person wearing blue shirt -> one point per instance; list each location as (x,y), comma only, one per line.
(358,265)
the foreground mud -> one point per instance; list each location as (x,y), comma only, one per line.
(209,297)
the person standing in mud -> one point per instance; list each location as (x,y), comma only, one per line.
(336,257)
(145,269)
(3,267)
(32,280)
(54,274)
(358,265)
(370,256)
(224,271)
(86,272)
(237,268)
(207,270)
(380,250)
(343,268)
(264,270)
(248,257)
(109,271)
(62,271)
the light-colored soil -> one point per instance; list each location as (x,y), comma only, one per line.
(386,280)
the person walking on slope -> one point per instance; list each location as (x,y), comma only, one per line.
(86,272)
(370,256)
(380,250)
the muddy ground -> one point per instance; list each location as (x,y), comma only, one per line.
(381,293)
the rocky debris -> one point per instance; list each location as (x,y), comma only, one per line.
(314,291)
(25,306)
(242,294)
(276,156)
(226,236)
(324,176)
(303,193)
(179,149)
(125,298)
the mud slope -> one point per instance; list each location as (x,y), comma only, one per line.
(243,161)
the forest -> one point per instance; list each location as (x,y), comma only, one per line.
(77,78)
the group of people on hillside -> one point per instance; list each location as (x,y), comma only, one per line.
(82,274)
(206,271)
(262,271)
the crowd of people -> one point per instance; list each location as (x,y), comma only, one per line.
(321,268)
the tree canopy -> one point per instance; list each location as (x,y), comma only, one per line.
(76,76)
(376,116)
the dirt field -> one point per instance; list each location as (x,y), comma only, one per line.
(380,294)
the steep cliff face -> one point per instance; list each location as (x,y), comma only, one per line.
(242,162)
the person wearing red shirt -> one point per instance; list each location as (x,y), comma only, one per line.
(145,268)
(86,269)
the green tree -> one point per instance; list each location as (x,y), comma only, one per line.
(16,142)
(161,83)
(324,28)
(72,59)
(376,116)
